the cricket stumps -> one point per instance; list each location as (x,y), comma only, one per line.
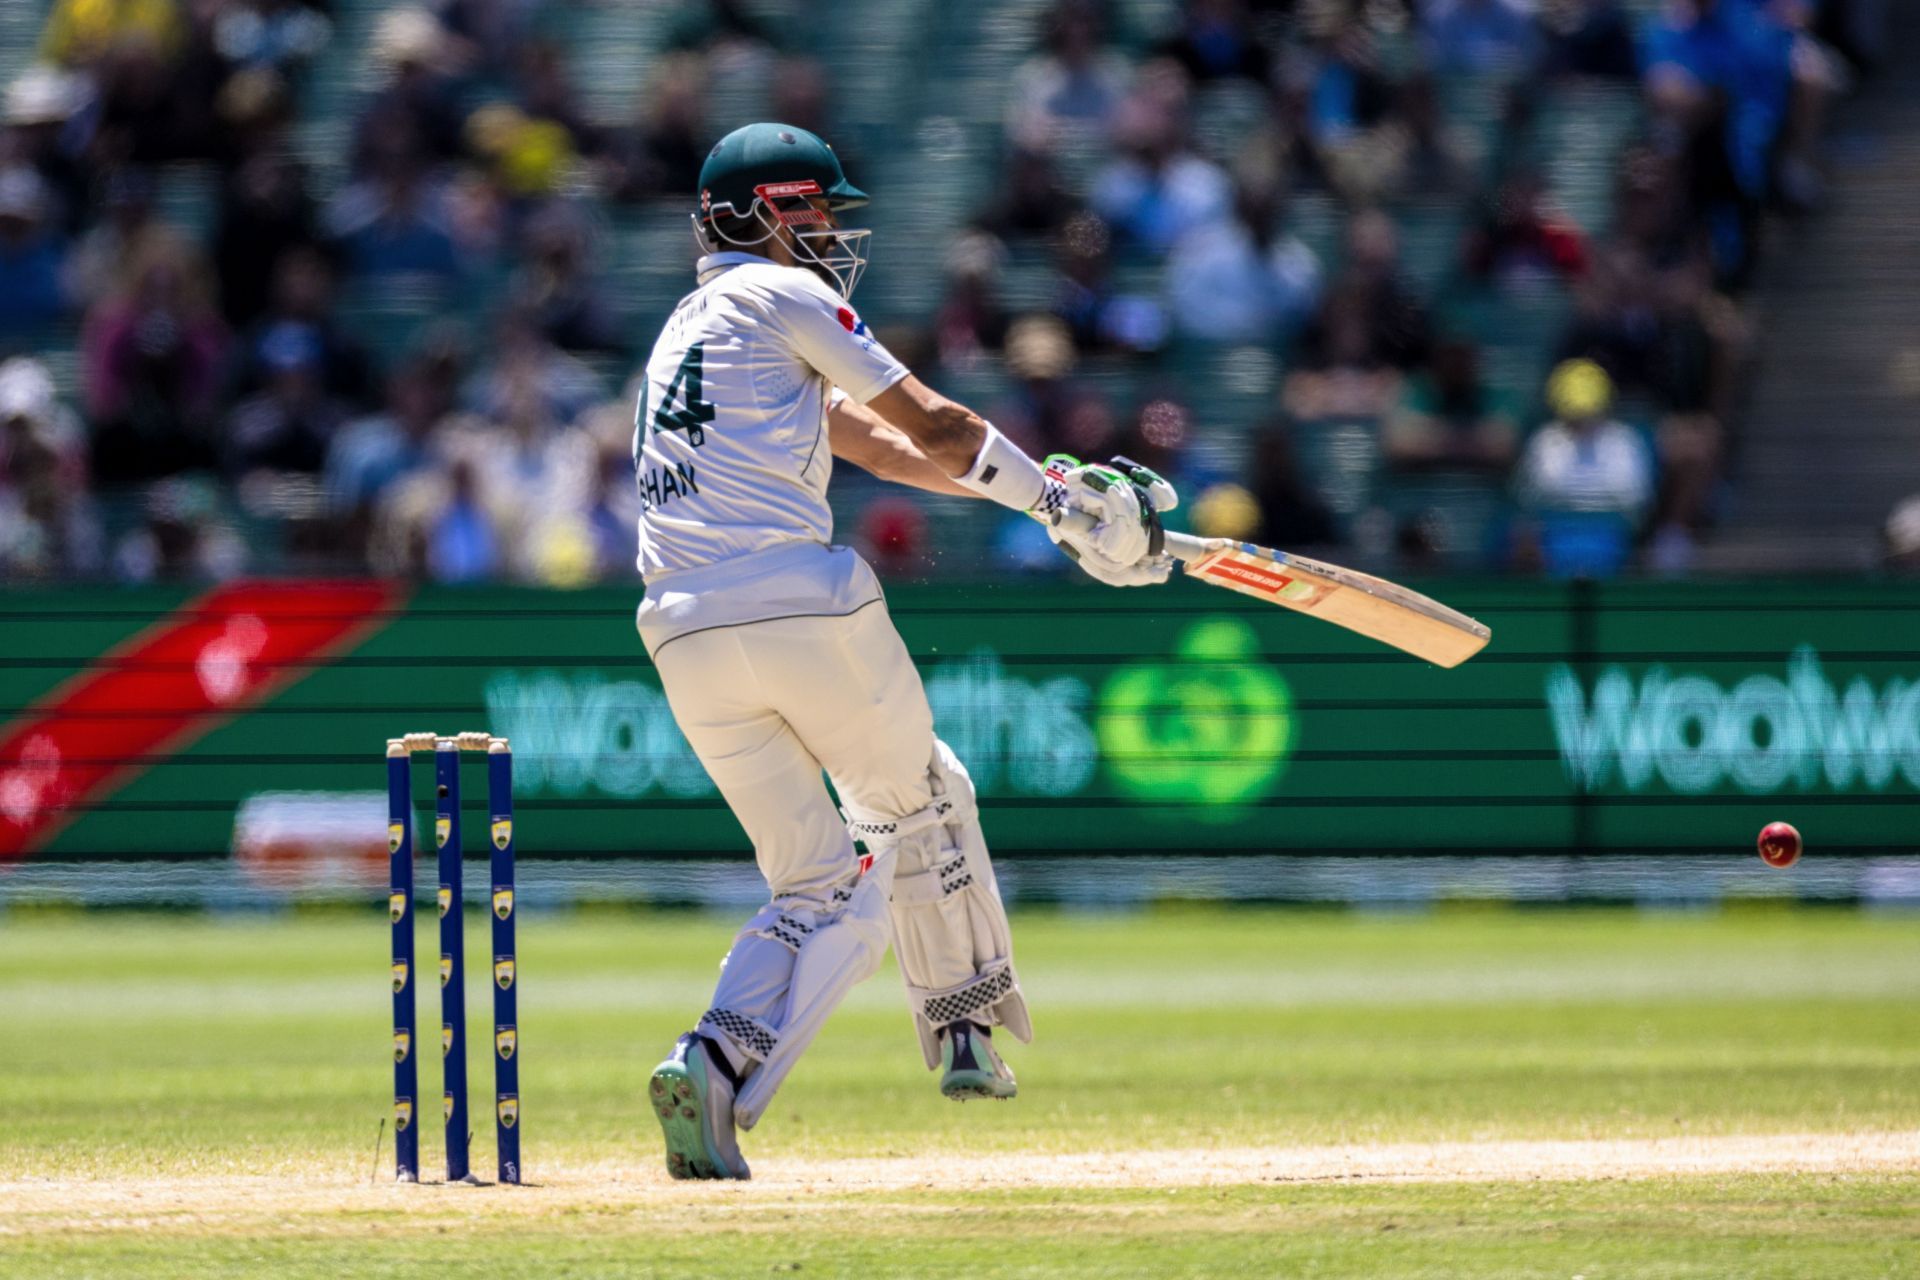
(447,751)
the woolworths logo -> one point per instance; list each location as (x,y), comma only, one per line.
(583,731)
(1797,731)
(1211,728)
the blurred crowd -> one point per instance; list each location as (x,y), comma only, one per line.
(1391,431)
(226,412)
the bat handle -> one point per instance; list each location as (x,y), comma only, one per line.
(1181,546)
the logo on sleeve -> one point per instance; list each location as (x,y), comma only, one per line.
(852,323)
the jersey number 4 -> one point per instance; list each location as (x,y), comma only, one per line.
(693,413)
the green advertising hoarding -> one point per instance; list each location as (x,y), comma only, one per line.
(1660,718)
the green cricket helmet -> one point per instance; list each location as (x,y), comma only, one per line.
(764,177)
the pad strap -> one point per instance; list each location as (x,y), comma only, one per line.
(753,1037)
(961,1003)
(925,887)
(943,809)
(789,931)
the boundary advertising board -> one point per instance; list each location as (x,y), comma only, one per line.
(1618,718)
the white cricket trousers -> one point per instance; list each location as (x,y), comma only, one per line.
(768,705)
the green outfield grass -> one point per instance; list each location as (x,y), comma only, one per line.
(199,1096)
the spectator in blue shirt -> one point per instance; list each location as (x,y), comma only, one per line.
(1159,189)
(1720,61)
(462,544)
(1242,279)
(1719,77)
(1216,41)
(397,220)
(368,456)
(32,255)
(395,226)
(1479,36)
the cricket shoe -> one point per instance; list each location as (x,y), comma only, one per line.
(692,1094)
(970,1067)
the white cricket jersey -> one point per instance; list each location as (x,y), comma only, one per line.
(730,448)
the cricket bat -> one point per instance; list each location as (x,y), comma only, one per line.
(1374,607)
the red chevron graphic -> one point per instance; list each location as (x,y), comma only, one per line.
(165,688)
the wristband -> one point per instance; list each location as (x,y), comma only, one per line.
(1004,473)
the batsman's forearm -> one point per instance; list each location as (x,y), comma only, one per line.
(863,438)
(965,446)
(948,434)
(962,433)
(914,469)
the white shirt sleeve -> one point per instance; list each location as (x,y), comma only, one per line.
(829,336)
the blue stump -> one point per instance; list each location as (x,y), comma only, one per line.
(406,1062)
(506,1029)
(453,991)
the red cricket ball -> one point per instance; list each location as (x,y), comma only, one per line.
(1779,844)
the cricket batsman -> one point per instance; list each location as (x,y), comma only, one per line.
(779,660)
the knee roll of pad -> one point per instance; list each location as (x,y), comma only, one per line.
(949,927)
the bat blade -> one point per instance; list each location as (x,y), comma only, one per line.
(1373,607)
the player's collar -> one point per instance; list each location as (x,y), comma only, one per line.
(712,264)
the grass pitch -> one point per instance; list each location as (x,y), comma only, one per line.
(1604,1094)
